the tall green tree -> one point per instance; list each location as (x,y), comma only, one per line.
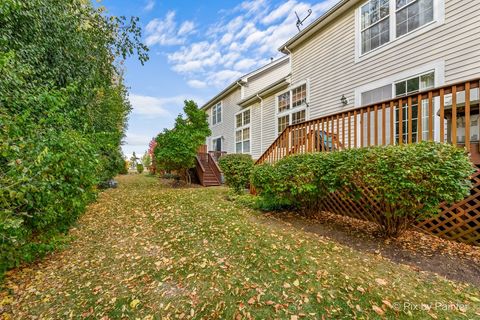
(63,113)
(176,149)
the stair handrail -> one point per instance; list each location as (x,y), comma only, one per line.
(215,168)
(200,172)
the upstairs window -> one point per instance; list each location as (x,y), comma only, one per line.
(383,21)
(412,14)
(375,24)
(217,113)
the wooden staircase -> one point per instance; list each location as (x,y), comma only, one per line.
(208,171)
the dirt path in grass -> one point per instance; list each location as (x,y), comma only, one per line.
(147,251)
(452,260)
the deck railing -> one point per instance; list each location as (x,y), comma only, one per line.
(448,114)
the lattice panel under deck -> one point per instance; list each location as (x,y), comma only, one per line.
(459,222)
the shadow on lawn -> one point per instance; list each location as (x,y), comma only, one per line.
(452,260)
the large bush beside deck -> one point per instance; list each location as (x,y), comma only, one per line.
(63,113)
(236,169)
(407,182)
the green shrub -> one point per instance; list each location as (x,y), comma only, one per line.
(123,167)
(407,182)
(139,168)
(236,169)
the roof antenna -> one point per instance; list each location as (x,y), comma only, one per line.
(300,22)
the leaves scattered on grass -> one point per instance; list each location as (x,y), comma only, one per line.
(146,251)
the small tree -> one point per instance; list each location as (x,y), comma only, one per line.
(176,148)
(146,160)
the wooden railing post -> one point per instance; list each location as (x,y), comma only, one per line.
(336,131)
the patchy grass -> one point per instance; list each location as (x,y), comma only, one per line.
(146,251)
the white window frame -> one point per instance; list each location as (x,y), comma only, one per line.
(212,142)
(241,128)
(437,66)
(214,118)
(438,19)
(292,110)
(423,106)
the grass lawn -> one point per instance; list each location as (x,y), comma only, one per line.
(144,251)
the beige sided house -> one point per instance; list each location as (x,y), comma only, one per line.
(372,72)
(358,53)
(240,116)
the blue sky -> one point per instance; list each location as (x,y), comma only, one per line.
(196,49)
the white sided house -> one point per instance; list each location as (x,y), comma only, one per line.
(240,116)
(359,53)
(367,72)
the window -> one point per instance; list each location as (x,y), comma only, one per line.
(382,21)
(299,96)
(377,95)
(298,117)
(412,14)
(291,107)
(217,144)
(284,102)
(283,123)
(407,87)
(217,113)
(242,132)
(375,24)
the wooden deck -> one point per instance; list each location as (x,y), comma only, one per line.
(449,114)
(389,122)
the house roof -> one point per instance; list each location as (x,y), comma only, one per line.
(318,24)
(278,85)
(242,80)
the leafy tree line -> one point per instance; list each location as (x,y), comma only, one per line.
(63,111)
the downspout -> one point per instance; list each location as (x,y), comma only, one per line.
(261,123)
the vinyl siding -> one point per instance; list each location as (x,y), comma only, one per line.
(327,59)
(226,128)
(266,78)
(262,118)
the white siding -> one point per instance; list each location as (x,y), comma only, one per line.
(267,77)
(327,59)
(226,128)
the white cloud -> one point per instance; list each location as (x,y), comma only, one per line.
(165,32)
(197,84)
(280,12)
(153,106)
(186,28)
(149,5)
(134,139)
(243,38)
(245,65)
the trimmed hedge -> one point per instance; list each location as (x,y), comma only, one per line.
(409,182)
(236,169)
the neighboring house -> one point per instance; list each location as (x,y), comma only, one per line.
(240,116)
(358,53)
